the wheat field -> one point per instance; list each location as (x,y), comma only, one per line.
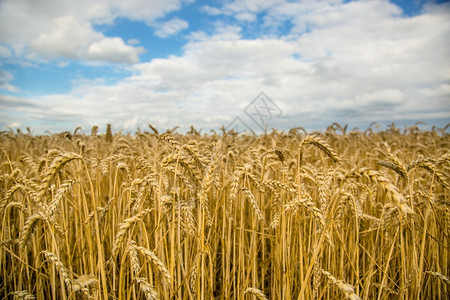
(336,214)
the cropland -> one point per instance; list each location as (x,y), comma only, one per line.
(332,214)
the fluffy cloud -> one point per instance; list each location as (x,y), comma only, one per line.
(133,41)
(68,38)
(171,27)
(115,50)
(72,39)
(55,28)
(4,52)
(353,62)
(5,79)
(143,10)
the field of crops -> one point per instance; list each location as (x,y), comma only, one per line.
(285,215)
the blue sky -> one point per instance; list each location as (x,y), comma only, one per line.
(171,63)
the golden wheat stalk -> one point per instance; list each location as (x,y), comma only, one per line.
(209,246)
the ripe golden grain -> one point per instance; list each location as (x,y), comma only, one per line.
(25,295)
(321,144)
(123,229)
(29,226)
(63,271)
(226,216)
(346,288)
(157,262)
(257,292)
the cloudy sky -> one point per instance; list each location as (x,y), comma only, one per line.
(65,64)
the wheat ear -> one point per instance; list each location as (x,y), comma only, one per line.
(431,166)
(322,145)
(293,205)
(94,131)
(123,229)
(134,258)
(30,223)
(440,276)
(109,137)
(55,166)
(153,128)
(346,288)
(257,292)
(83,282)
(399,167)
(391,191)
(147,289)
(25,295)
(157,262)
(444,158)
(63,271)
(251,198)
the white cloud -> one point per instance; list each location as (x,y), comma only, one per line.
(115,50)
(144,10)
(237,7)
(4,52)
(14,125)
(8,87)
(246,16)
(68,38)
(72,39)
(171,27)
(24,21)
(213,11)
(133,41)
(5,79)
(54,28)
(221,32)
(352,63)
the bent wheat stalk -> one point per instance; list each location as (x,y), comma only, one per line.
(322,145)
(123,229)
